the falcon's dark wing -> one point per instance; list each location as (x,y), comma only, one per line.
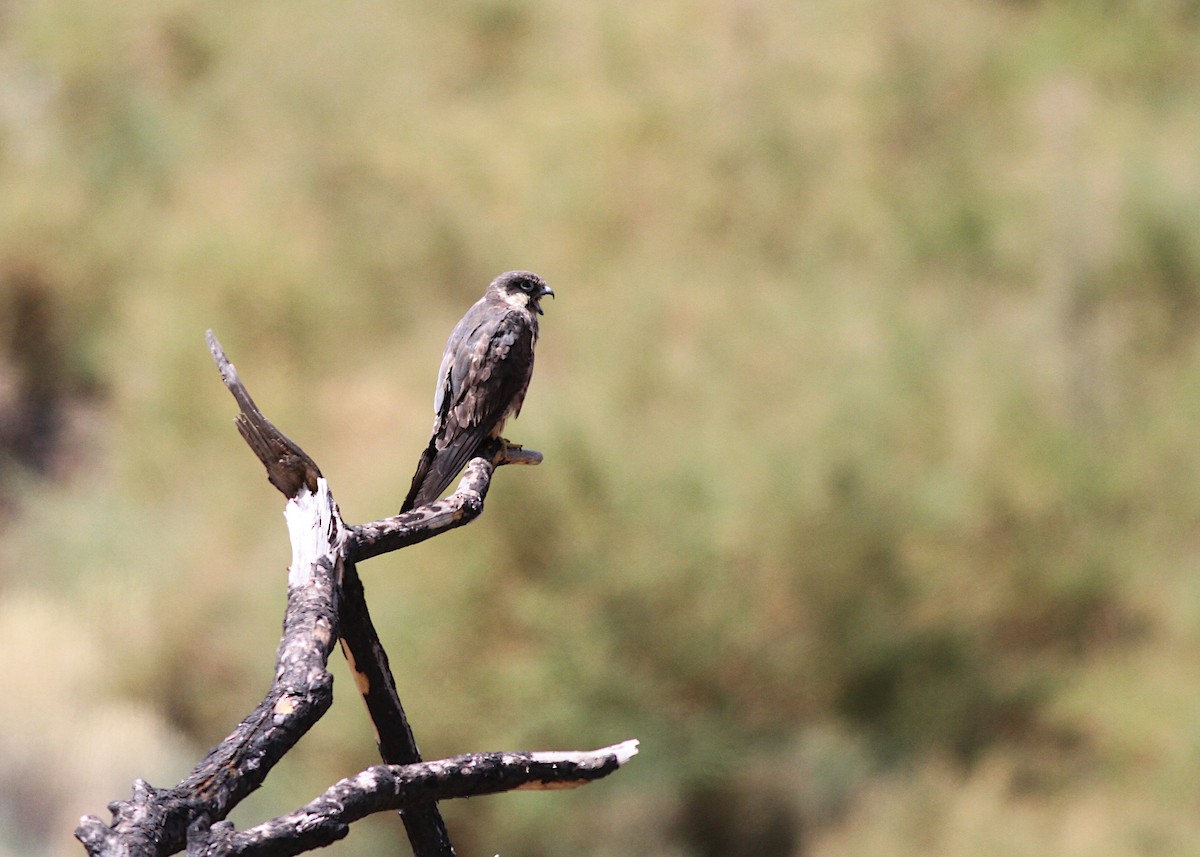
(483,378)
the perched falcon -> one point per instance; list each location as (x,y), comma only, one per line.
(485,372)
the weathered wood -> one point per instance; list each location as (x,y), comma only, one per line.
(289,468)
(326,602)
(155,821)
(383,787)
(394,737)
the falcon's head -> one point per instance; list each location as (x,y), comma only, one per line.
(522,289)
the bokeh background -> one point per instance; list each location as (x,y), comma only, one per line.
(869,402)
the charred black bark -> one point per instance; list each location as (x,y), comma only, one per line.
(326,602)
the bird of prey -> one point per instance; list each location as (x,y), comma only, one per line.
(485,372)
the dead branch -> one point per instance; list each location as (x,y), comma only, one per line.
(393,735)
(460,508)
(326,602)
(382,787)
(155,821)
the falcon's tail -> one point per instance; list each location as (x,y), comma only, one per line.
(438,467)
(417,496)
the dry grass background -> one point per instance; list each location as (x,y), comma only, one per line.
(868,403)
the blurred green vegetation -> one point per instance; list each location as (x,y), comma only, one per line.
(870,502)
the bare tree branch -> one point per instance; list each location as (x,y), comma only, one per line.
(326,602)
(287,464)
(290,468)
(425,522)
(393,736)
(382,787)
(154,821)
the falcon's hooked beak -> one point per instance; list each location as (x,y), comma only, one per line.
(545,290)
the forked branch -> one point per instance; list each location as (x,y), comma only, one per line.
(326,602)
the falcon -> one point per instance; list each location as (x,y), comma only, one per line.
(485,372)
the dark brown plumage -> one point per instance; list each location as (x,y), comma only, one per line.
(482,382)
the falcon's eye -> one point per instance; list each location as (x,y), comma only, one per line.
(526,286)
